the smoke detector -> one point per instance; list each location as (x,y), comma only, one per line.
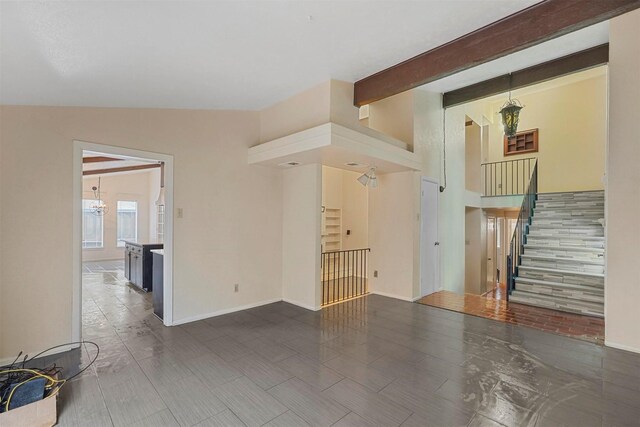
(289,164)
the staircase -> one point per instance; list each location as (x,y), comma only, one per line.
(562,265)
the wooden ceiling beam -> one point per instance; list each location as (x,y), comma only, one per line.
(531,26)
(580,61)
(99,159)
(122,169)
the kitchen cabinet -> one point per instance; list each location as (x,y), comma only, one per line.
(138,264)
(158,282)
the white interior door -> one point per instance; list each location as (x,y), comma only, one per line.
(429,262)
(491,253)
(500,256)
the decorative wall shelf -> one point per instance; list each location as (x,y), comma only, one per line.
(522,142)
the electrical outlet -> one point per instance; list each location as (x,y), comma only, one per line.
(375,273)
(180,213)
(236,287)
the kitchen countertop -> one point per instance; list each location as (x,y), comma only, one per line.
(157,251)
(142,244)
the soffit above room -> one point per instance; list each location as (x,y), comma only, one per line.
(334,145)
(214,55)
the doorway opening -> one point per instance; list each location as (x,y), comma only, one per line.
(430,252)
(541,197)
(123,241)
(500,224)
(344,235)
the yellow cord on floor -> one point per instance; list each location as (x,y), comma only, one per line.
(52,381)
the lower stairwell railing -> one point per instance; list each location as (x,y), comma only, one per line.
(521,230)
(344,275)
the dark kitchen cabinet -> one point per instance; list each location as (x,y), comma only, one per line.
(127,263)
(158,283)
(138,264)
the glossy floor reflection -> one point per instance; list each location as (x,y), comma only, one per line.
(585,328)
(372,361)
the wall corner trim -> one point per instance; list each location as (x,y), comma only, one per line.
(388,295)
(621,346)
(62,349)
(299,304)
(224,311)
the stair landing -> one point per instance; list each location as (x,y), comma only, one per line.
(571,325)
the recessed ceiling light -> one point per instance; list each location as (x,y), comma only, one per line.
(289,164)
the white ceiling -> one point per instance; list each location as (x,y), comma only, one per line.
(215,54)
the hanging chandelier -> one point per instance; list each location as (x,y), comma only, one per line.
(510,113)
(98,206)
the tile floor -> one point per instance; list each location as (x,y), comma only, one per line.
(372,361)
(585,328)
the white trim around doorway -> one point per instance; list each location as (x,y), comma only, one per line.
(78,148)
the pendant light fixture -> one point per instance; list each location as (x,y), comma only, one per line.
(98,207)
(510,114)
(369,178)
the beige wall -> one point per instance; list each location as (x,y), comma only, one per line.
(2,262)
(231,231)
(622,286)
(392,229)
(331,187)
(340,189)
(473,150)
(299,112)
(301,223)
(393,116)
(343,112)
(355,212)
(114,187)
(475,223)
(572,134)
(475,248)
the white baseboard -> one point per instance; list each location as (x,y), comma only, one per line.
(224,311)
(7,360)
(299,304)
(385,294)
(621,346)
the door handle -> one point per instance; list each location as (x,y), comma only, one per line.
(436,244)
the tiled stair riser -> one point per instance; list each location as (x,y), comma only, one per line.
(563,293)
(592,289)
(551,241)
(567,265)
(565,253)
(568,214)
(592,205)
(581,195)
(569,277)
(535,230)
(554,303)
(566,222)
